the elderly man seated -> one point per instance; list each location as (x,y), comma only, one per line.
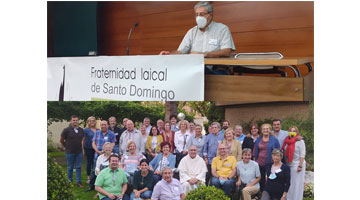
(168,188)
(192,170)
(223,169)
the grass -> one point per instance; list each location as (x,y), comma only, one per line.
(79,193)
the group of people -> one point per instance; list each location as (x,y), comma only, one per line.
(171,158)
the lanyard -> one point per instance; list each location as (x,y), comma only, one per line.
(114,177)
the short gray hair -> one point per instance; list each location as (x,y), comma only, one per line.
(166,168)
(207,4)
(237,125)
(198,125)
(246,150)
(277,152)
(216,123)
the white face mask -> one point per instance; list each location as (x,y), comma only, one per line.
(201,21)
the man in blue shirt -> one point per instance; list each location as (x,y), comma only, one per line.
(102,136)
(239,135)
(210,147)
(173,122)
(225,126)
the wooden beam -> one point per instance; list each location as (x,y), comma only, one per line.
(281,62)
(253,89)
(309,87)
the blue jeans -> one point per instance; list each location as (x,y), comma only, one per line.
(157,178)
(228,185)
(145,195)
(71,160)
(125,197)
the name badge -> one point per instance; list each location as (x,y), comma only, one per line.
(176,188)
(227,164)
(213,42)
(105,138)
(278,170)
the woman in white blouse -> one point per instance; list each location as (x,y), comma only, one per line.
(181,139)
(295,158)
(103,160)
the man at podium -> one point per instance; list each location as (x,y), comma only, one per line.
(212,39)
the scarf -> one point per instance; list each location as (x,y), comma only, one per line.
(290,149)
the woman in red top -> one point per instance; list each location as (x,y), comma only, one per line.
(168,135)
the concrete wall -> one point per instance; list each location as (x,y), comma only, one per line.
(245,112)
(56,128)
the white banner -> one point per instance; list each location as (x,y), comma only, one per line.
(126,78)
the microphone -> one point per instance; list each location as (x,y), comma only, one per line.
(128,40)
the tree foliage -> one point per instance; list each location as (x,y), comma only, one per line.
(136,111)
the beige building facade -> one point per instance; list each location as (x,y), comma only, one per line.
(238,113)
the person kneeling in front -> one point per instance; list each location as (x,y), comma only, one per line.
(248,173)
(168,188)
(223,169)
(143,182)
(111,182)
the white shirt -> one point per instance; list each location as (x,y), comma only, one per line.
(153,143)
(281,136)
(217,36)
(99,161)
(148,129)
(179,141)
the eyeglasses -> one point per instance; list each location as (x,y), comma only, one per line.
(202,14)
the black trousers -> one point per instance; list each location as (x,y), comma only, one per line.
(179,156)
(89,153)
(263,174)
(208,175)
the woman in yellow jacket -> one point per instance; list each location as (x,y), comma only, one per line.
(233,146)
(153,143)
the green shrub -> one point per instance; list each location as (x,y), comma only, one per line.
(206,193)
(58,185)
(136,111)
(215,113)
(309,190)
(50,146)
